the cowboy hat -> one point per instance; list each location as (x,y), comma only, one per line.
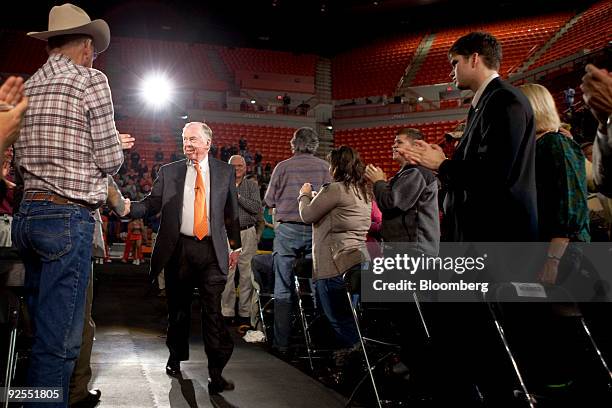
(70,19)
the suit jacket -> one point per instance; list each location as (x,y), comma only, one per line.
(167,196)
(602,160)
(490,181)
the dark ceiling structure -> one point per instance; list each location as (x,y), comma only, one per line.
(304,26)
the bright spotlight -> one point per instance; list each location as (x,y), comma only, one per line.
(156,90)
(253,101)
(420,99)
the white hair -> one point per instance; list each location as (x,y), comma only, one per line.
(203,128)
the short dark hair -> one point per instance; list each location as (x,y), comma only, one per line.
(485,44)
(412,133)
(59,41)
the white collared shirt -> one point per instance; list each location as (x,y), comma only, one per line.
(189,195)
(480,90)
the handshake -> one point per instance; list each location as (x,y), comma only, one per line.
(126,208)
(115,200)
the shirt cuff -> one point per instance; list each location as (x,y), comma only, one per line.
(304,195)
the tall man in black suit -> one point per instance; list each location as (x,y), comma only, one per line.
(192,247)
(491,197)
(490,180)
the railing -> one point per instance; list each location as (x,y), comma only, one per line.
(342,112)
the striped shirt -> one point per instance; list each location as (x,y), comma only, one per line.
(287,179)
(68,142)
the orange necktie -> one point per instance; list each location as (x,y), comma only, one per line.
(200,222)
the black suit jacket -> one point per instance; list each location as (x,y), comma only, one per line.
(490,181)
(167,196)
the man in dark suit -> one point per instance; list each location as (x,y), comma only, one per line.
(491,197)
(490,180)
(199,215)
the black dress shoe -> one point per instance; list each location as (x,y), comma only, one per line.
(219,385)
(90,401)
(173,368)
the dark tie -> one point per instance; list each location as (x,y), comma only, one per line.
(470,114)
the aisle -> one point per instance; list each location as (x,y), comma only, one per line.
(130,354)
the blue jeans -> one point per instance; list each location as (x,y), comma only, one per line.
(335,305)
(55,242)
(288,240)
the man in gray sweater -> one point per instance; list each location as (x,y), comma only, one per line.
(409,200)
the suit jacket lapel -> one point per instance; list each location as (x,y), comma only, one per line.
(179,179)
(467,135)
(212,165)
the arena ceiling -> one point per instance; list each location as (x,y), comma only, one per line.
(319,26)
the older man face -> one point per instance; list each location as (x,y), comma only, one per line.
(196,143)
(240,166)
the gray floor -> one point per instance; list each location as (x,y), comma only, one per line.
(129,356)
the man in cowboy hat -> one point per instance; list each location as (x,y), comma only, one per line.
(66,149)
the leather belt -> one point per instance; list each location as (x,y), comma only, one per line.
(54,198)
(295,223)
(247,227)
(194,238)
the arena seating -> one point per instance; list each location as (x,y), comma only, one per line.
(271,141)
(374,144)
(278,62)
(151,134)
(374,69)
(519,39)
(592,31)
(186,64)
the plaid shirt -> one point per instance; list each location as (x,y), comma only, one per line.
(249,203)
(68,143)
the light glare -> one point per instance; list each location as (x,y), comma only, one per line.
(156,90)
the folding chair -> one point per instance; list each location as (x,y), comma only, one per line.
(302,280)
(11,279)
(263,276)
(9,317)
(353,284)
(564,306)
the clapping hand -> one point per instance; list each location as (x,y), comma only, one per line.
(13,106)
(306,190)
(597,88)
(427,155)
(374,174)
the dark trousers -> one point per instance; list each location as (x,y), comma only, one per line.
(194,264)
(333,301)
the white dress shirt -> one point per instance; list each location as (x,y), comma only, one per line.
(480,90)
(189,195)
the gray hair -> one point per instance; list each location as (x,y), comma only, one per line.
(205,131)
(305,140)
(236,156)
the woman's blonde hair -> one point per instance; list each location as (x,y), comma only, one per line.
(544,108)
